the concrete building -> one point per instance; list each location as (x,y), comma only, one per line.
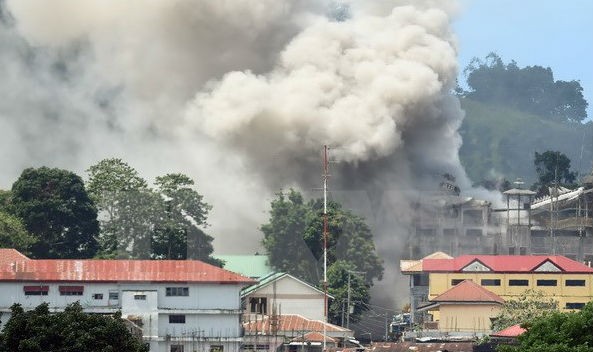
(282,293)
(180,305)
(567,281)
(465,308)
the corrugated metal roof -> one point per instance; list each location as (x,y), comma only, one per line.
(505,263)
(94,270)
(254,266)
(511,331)
(270,278)
(468,291)
(10,255)
(290,322)
(314,336)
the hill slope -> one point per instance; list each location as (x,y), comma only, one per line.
(500,142)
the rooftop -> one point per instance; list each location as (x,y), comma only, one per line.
(468,291)
(290,322)
(506,263)
(511,331)
(254,266)
(20,268)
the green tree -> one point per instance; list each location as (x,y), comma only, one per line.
(13,234)
(531,89)
(69,331)
(337,280)
(128,209)
(293,239)
(57,210)
(531,304)
(557,332)
(178,233)
(552,167)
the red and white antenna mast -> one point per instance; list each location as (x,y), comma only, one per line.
(325,235)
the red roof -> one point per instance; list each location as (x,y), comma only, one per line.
(10,255)
(468,291)
(511,331)
(314,336)
(291,322)
(93,270)
(505,263)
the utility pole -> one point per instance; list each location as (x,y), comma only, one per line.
(348,304)
(325,234)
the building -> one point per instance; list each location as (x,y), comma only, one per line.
(466,307)
(180,305)
(282,293)
(567,281)
(444,220)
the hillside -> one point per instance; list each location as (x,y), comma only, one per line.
(500,142)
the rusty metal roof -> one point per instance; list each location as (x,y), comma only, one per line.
(511,331)
(95,270)
(290,322)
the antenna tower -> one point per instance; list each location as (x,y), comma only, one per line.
(325,235)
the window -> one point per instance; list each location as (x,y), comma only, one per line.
(575,305)
(71,290)
(36,290)
(98,296)
(177,291)
(176,319)
(216,348)
(176,348)
(258,305)
(547,282)
(518,282)
(140,297)
(456,282)
(574,283)
(420,279)
(114,296)
(490,282)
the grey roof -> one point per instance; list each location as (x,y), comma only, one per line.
(519,192)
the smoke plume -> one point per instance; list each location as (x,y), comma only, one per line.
(241,95)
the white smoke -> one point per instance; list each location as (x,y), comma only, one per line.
(241,95)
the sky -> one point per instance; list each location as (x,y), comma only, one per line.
(550,33)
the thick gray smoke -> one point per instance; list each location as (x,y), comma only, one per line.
(241,95)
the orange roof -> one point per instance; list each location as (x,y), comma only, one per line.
(511,331)
(93,270)
(505,263)
(10,255)
(290,322)
(468,291)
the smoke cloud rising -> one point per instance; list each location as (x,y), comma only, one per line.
(241,95)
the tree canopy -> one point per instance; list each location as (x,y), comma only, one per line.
(529,305)
(69,331)
(56,209)
(531,89)
(557,332)
(13,234)
(138,221)
(127,209)
(293,239)
(552,167)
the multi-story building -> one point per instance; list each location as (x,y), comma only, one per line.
(180,305)
(567,281)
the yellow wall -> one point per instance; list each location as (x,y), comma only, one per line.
(441,282)
(466,317)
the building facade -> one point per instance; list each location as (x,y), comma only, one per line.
(565,280)
(179,305)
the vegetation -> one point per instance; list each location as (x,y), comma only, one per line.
(530,305)
(531,89)
(55,208)
(68,331)
(293,239)
(552,167)
(499,143)
(140,222)
(557,332)
(13,234)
